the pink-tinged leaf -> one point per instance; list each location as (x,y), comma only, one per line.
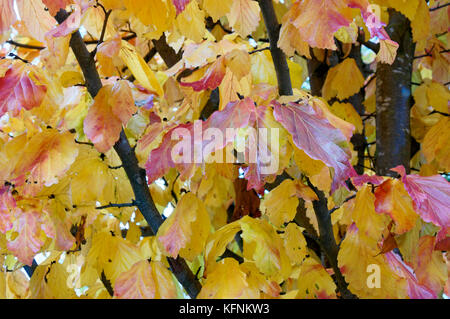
(7,204)
(318,20)
(360,180)
(7,15)
(122,101)
(18,89)
(27,243)
(431,198)
(415,289)
(56,225)
(430,267)
(71,24)
(180,5)
(393,200)
(113,106)
(46,156)
(212,77)
(37,20)
(265,150)
(145,280)
(312,132)
(371,19)
(184,146)
(54,5)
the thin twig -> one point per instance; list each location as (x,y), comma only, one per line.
(102,35)
(439,7)
(110,205)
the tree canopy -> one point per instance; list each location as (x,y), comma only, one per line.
(224,149)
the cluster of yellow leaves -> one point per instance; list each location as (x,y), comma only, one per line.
(53,184)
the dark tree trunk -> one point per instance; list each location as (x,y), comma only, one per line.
(393,99)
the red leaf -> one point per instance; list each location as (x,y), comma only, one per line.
(54,5)
(7,203)
(235,115)
(212,78)
(180,5)
(415,289)
(27,243)
(360,180)
(20,90)
(318,20)
(431,198)
(113,106)
(7,15)
(312,132)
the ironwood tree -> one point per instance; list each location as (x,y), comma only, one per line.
(224,149)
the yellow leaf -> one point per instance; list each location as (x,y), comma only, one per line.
(186,230)
(366,219)
(263,245)
(347,112)
(157,15)
(295,243)
(146,280)
(190,22)
(315,282)
(280,204)
(50,282)
(227,281)
(112,255)
(217,243)
(244,16)
(217,9)
(421,23)
(338,84)
(239,62)
(393,199)
(49,154)
(435,145)
(438,97)
(407,7)
(387,52)
(141,71)
(361,264)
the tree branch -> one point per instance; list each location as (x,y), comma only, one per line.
(278,57)
(135,174)
(110,205)
(439,7)
(375,47)
(327,241)
(102,35)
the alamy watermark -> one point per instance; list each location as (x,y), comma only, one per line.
(253,146)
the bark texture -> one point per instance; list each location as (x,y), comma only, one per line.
(394,100)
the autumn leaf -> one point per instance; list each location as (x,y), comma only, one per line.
(336,82)
(235,115)
(145,280)
(227,281)
(185,232)
(244,16)
(28,241)
(430,197)
(315,282)
(265,247)
(280,204)
(21,88)
(313,133)
(212,77)
(356,254)
(139,68)
(113,107)
(392,199)
(317,21)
